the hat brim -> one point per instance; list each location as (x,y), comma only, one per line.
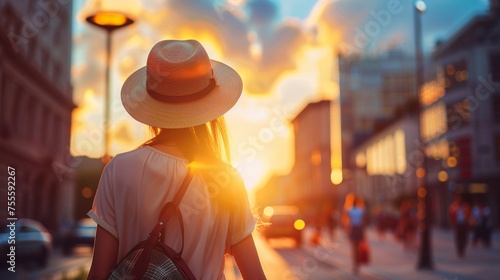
(145,109)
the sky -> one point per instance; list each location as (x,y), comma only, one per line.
(284,50)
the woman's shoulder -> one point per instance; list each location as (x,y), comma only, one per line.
(224,180)
(221,173)
(128,154)
(121,158)
(119,161)
(142,153)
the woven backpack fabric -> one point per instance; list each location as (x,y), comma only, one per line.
(151,258)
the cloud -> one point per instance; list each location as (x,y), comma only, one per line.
(252,37)
(281,52)
(287,62)
(231,28)
(374,26)
(357,25)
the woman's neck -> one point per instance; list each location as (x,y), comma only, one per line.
(169,148)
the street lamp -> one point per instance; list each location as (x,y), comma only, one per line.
(109,21)
(425,253)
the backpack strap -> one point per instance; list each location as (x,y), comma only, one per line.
(172,208)
(165,214)
(167,211)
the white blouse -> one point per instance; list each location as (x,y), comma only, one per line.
(133,188)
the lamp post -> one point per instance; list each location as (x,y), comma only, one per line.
(425,253)
(109,21)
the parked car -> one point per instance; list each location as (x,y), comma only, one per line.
(284,221)
(33,242)
(82,233)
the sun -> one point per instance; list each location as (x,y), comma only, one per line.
(253,172)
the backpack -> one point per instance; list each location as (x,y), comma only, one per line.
(151,258)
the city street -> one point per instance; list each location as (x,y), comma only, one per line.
(59,267)
(282,260)
(377,114)
(331,260)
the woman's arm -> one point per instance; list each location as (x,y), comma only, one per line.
(247,259)
(105,254)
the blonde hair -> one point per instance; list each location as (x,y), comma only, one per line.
(206,143)
(206,146)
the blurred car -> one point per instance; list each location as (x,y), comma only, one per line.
(283,221)
(82,233)
(33,242)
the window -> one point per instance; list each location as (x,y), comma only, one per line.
(431,92)
(497,147)
(45,62)
(433,121)
(458,114)
(27,122)
(455,74)
(462,148)
(39,119)
(396,89)
(495,66)
(12,99)
(496,109)
(7,97)
(3,106)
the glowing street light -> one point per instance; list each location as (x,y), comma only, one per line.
(420,6)
(109,21)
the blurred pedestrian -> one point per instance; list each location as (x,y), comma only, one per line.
(459,215)
(317,223)
(356,229)
(331,217)
(407,228)
(481,215)
(182,95)
(380,220)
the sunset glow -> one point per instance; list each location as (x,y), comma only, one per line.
(252,172)
(280,73)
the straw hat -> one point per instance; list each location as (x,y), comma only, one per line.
(180,86)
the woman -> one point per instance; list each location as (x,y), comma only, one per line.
(459,215)
(356,216)
(481,214)
(408,226)
(181,94)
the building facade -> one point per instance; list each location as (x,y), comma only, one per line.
(36,105)
(386,164)
(312,167)
(309,183)
(372,89)
(461,121)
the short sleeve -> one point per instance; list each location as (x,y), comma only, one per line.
(103,207)
(241,220)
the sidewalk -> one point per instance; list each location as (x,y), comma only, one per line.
(389,261)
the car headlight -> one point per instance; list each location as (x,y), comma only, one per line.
(299,224)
